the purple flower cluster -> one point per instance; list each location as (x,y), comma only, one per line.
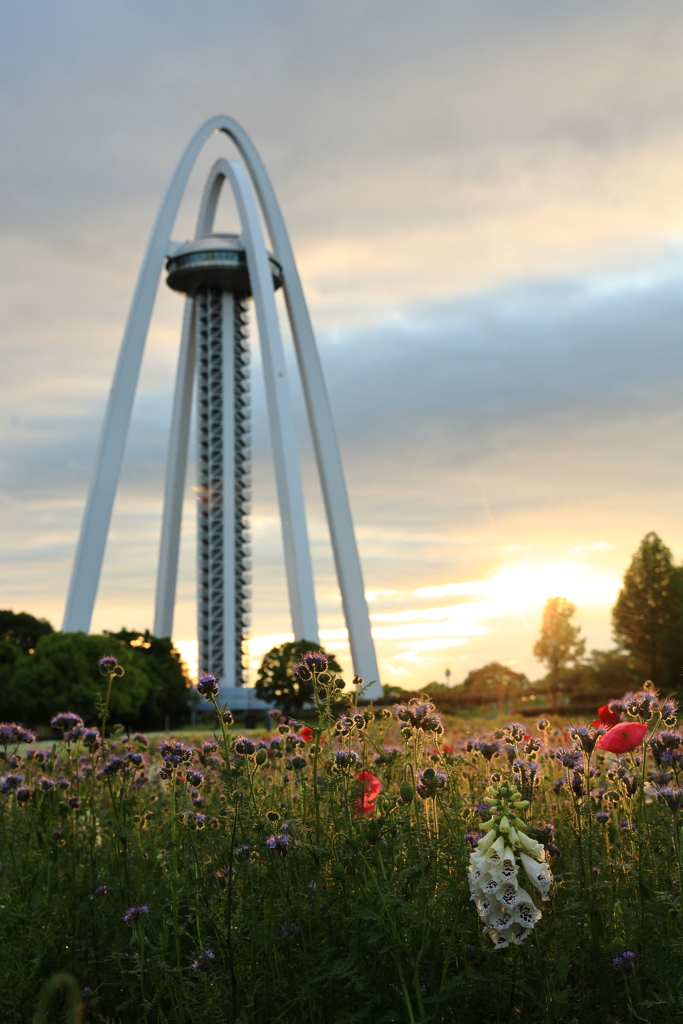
(626,961)
(419,714)
(134,913)
(208,685)
(11,733)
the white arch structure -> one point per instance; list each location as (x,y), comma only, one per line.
(97,516)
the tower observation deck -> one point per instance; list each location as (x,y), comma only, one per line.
(213,271)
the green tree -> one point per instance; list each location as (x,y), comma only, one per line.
(276,681)
(23,629)
(170,687)
(648,615)
(559,643)
(62,675)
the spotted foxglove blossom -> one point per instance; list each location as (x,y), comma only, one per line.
(507,910)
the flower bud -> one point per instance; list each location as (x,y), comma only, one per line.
(261,756)
(407,792)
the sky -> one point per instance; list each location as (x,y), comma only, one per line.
(485,199)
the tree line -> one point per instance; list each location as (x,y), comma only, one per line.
(43,671)
(647,624)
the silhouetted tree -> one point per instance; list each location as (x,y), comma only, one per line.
(648,615)
(23,629)
(170,686)
(276,681)
(491,684)
(559,643)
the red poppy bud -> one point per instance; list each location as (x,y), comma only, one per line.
(623,737)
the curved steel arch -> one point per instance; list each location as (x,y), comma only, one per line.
(98,510)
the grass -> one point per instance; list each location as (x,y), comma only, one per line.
(280,888)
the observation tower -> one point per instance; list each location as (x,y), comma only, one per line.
(219,274)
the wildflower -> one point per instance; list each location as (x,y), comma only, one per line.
(297,762)
(204,960)
(543,725)
(307,734)
(243,745)
(429,782)
(669,711)
(289,931)
(606,717)
(101,890)
(626,961)
(345,759)
(242,852)
(419,714)
(278,842)
(587,736)
(622,738)
(671,797)
(46,784)
(195,778)
(134,913)
(109,665)
(24,794)
(92,739)
(66,720)
(508,912)
(602,817)
(74,803)
(370,789)
(572,758)
(208,686)
(488,750)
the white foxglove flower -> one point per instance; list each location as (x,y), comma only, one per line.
(539,874)
(508,912)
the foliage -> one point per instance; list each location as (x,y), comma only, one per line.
(492,684)
(23,629)
(323,878)
(559,643)
(648,614)
(169,689)
(277,682)
(63,674)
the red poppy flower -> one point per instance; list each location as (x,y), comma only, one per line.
(606,718)
(370,790)
(306,734)
(623,737)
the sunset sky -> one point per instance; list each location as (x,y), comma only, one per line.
(485,199)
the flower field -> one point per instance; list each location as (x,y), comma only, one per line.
(376,866)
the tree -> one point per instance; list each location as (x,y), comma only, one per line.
(23,629)
(559,643)
(170,687)
(648,615)
(276,681)
(491,684)
(63,675)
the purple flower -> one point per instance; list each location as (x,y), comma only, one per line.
(289,931)
(91,739)
(134,914)
(244,746)
(74,803)
(345,759)
(101,890)
(107,664)
(10,732)
(204,960)
(278,842)
(46,784)
(24,794)
(195,778)
(208,686)
(626,961)
(66,720)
